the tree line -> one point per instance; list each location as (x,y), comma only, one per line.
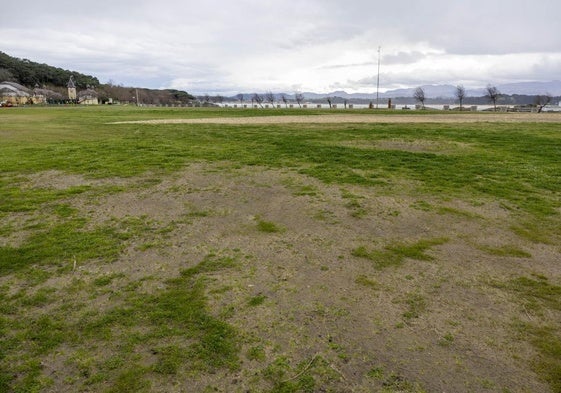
(492,94)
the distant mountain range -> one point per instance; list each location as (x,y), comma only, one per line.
(522,93)
(448,91)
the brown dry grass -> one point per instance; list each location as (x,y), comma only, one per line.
(365,118)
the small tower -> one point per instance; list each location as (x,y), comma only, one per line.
(71,88)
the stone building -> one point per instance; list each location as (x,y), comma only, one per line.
(16,94)
(71,89)
(88,97)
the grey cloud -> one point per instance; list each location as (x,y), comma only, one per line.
(402,58)
(343,66)
(193,41)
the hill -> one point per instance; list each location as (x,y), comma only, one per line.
(552,88)
(30,73)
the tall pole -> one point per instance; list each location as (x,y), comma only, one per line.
(378,78)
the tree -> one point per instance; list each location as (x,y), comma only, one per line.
(258,99)
(284,100)
(240,98)
(270,98)
(299,97)
(460,94)
(542,100)
(492,94)
(329,102)
(6,75)
(419,95)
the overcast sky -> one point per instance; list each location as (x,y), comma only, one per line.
(231,46)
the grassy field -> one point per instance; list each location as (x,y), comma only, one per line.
(412,257)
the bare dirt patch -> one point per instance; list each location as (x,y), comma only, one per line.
(436,322)
(362,118)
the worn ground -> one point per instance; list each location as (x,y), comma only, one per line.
(333,288)
(433,322)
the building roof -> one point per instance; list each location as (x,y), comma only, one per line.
(47,93)
(71,84)
(14,89)
(88,93)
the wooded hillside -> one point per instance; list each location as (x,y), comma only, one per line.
(30,73)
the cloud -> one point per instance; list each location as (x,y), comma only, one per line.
(250,45)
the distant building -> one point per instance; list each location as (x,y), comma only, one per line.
(16,94)
(71,88)
(83,97)
(47,95)
(88,97)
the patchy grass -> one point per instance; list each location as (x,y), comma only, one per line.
(537,295)
(416,305)
(78,314)
(60,245)
(394,254)
(535,291)
(366,282)
(138,325)
(506,251)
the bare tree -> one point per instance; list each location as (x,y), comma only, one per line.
(542,100)
(240,98)
(492,94)
(329,102)
(460,95)
(299,97)
(419,95)
(258,99)
(270,98)
(284,100)
(217,99)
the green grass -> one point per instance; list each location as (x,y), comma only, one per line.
(506,251)
(395,253)
(60,245)
(140,322)
(268,227)
(257,300)
(518,165)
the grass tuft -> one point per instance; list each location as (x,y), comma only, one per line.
(268,227)
(506,251)
(394,254)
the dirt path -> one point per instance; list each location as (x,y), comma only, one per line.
(374,118)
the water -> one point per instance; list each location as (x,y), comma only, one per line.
(355,106)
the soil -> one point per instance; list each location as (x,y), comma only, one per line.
(316,302)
